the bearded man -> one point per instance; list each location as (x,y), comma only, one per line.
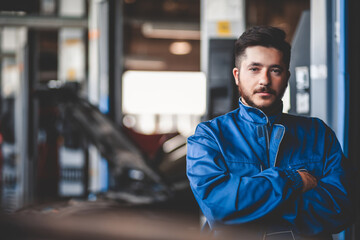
(259,170)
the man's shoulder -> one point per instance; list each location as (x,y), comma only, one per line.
(292,120)
(300,118)
(219,122)
(222,119)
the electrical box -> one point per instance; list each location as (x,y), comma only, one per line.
(300,68)
(222,88)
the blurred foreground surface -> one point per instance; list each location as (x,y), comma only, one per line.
(100,219)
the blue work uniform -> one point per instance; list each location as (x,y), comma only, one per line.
(243,170)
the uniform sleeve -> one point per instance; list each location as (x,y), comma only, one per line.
(227,198)
(328,208)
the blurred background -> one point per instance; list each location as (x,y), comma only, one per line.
(97,98)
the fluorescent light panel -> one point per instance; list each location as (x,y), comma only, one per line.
(149,92)
(171,31)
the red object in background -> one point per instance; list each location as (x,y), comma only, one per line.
(48,171)
(150,145)
(1,161)
(47,162)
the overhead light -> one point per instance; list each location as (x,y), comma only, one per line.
(144,63)
(163,92)
(180,48)
(171,30)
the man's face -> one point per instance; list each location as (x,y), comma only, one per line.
(262,77)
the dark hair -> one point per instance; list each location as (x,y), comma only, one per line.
(265,36)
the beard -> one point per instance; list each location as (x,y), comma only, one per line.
(247,98)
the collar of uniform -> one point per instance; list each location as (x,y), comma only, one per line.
(256,115)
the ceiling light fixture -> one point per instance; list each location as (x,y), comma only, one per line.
(180,48)
(171,30)
(144,63)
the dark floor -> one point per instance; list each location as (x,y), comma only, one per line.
(104,219)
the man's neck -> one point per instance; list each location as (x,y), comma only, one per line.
(270,111)
(273,110)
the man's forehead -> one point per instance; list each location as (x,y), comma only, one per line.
(259,48)
(261,55)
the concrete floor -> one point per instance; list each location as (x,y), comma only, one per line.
(100,219)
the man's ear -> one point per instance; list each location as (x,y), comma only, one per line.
(236,73)
(288,75)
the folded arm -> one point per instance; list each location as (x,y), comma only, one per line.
(230,198)
(327,206)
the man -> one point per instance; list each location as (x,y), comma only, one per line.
(258,168)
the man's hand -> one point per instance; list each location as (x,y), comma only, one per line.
(309,181)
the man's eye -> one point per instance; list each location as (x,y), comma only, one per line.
(254,69)
(277,71)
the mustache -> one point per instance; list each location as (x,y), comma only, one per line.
(264,89)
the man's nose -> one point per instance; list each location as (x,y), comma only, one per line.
(265,79)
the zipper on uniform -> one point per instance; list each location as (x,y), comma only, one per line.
(267,143)
(282,135)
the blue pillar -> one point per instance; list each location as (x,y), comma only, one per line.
(343,76)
